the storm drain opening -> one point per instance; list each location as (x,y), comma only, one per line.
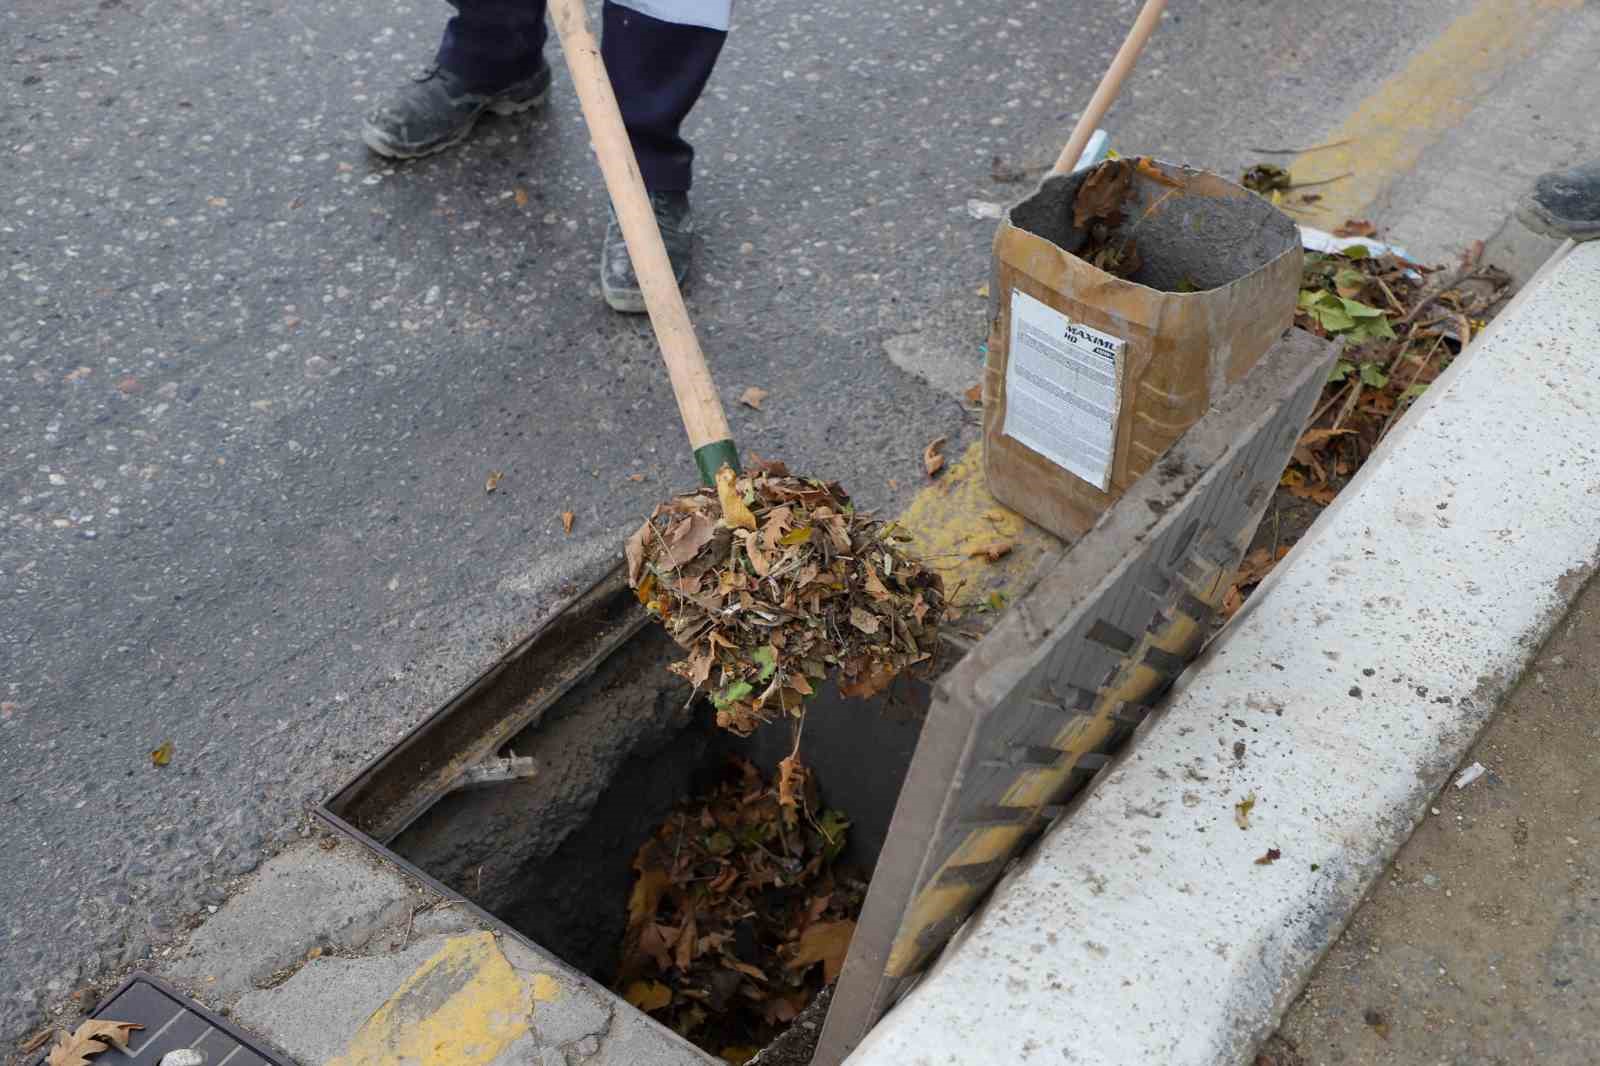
(532,792)
(542,823)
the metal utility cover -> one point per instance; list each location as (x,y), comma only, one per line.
(1023,721)
(173,1021)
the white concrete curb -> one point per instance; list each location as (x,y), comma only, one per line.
(1142,929)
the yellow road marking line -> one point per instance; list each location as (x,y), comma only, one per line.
(1436,89)
(462,1007)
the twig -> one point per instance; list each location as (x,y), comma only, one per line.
(405,940)
(1327,405)
(1398,306)
(1415,374)
(1300,151)
(1322,181)
(1349,405)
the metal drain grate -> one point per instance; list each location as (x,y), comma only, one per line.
(172,1021)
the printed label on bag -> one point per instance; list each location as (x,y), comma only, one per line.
(1063,389)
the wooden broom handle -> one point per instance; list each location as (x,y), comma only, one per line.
(698,403)
(1110,85)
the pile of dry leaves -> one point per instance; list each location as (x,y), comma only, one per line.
(738,916)
(772,580)
(1402,324)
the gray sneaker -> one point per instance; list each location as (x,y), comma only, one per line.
(435,110)
(618,284)
(1564,203)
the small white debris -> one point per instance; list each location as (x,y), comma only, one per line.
(985,209)
(1470,774)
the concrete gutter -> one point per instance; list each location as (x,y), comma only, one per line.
(1148,926)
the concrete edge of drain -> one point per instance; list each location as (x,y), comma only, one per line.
(1143,928)
(324,953)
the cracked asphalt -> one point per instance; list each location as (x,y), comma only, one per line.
(253,380)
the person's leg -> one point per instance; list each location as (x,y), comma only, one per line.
(491,59)
(1565,203)
(659,54)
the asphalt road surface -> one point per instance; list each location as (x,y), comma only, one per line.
(253,380)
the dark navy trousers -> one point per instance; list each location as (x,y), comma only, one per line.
(657,68)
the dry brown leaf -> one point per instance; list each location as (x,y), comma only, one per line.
(1313,437)
(646,897)
(753,396)
(994,550)
(91,1038)
(648,995)
(37,1040)
(566,522)
(1356,227)
(492,482)
(1146,166)
(734,511)
(1101,195)
(521,196)
(688,940)
(932,461)
(684,540)
(871,683)
(1272,856)
(1319,494)
(634,550)
(864,620)
(974,395)
(635,477)
(791,781)
(162,755)
(824,942)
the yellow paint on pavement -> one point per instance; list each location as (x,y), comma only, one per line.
(462,1007)
(954,515)
(546,989)
(1389,130)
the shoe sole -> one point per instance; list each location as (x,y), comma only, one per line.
(623,300)
(375,139)
(1535,218)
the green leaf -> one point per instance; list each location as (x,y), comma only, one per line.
(719,843)
(1341,370)
(1357,251)
(1334,319)
(1371,375)
(1414,391)
(767,657)
(833,824)
(732,694)
(1357,309)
